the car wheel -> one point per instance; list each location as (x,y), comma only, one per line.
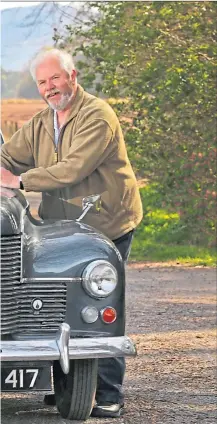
(75,391)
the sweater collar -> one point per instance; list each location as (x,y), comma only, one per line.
(48,115)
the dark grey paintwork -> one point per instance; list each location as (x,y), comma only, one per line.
(63,249)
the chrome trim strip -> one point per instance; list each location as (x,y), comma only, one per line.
(23,214)
(21,256)
(54,279)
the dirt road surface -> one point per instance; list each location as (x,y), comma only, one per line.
(171,318)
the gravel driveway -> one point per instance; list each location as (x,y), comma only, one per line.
(171,317)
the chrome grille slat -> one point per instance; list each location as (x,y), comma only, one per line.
(11,246)
(22,314)
(17,314)
(37,319)
(13,237)
(14,263)
(11,249)
(13,240)
(9,272)
(13,256)
(10,308)
(45,309)
(12,277)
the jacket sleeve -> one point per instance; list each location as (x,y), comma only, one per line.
(16,154)
(92,144)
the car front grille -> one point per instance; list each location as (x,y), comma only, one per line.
(18,296)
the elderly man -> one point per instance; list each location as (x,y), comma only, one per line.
(73,149)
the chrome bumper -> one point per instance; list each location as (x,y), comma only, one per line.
(63,348)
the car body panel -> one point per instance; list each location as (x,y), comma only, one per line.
(53,256)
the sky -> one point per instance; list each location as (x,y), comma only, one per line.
(27,38)
(10,4)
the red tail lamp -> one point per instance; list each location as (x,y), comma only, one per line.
(108,315)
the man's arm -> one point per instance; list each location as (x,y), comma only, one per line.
(16,154)
(8,179)
(90,147)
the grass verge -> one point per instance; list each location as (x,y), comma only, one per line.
(161,236)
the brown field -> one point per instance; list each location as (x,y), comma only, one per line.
(18,111)
(15,112)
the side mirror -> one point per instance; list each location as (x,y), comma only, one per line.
(90,202)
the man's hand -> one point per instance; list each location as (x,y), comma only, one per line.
(8,179)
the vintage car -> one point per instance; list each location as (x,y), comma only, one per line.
(62,305)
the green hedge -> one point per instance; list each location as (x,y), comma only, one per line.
(161,236)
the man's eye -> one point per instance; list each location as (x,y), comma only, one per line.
(55,77)
(41,82)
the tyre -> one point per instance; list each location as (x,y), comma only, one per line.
(75,392)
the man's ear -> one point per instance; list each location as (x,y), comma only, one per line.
(73,75)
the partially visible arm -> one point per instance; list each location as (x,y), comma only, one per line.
(16,154)
(8,179)
(90,147)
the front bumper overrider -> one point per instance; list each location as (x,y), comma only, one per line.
(64,348)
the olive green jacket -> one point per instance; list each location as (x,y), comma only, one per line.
(91,159)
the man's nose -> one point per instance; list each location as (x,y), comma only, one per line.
(49,85)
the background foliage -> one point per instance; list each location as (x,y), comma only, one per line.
(18,85)
(158,60)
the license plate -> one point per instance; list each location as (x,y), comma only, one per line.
(25,379)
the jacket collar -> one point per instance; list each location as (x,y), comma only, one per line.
(48,115)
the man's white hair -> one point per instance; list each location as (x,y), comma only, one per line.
(64,57)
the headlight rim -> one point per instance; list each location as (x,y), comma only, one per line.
(86,275)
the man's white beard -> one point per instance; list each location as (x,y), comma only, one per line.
(63,102)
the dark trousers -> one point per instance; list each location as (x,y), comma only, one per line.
(111,370)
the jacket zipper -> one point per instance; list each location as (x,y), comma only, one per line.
(56,147)
(56,161)
(55,155)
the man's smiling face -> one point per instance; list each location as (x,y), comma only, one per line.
(55,85)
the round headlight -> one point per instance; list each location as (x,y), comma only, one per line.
(100,279)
